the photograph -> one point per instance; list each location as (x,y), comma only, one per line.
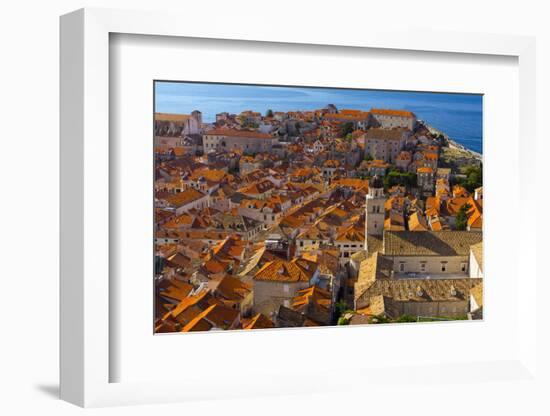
(220,183)
(299,206)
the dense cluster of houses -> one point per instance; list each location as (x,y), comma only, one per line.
(285,219)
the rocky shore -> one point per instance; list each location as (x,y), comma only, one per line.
(453,144)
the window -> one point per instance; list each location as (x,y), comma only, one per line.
(422,267)
(402,266)
(443,266)
(464,267)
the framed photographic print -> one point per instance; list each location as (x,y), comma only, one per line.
(290,209)
(275,209)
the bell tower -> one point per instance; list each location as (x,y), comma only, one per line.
(374,208)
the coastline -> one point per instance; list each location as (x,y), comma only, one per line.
(452,143)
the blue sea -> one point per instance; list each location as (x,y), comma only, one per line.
(458,115)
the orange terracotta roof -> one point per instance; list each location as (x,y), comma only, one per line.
(384,134)
(352,233)
(198,323)
(214,267)
(171,117)
(230,288)
(179,221)
(296,270)
(398,113)
(185,197)
(186,304)
(214,175)
(352,183)
(176,290)
(179,151)
(258,188)
(312,295)
(259,321)
(417,222)
(238,133)
(404,155)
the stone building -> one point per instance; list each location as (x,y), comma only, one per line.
(178,125)
(385,144)
(374,208)
(425,178)
(279,281)
(186,200)
(429,252)
(349,241)
(246,141)
(416,297)
(393,118)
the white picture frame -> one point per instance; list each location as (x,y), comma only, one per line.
(85,211)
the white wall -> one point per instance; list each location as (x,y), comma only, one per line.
(29,73)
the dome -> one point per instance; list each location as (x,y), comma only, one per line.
(376,182)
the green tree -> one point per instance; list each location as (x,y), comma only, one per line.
(340,307)
(395,177)
(462,217)
(269,113)
(346,129)
(406,318)
(473,179)
(442,140)
(343,321)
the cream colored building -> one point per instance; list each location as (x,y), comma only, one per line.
(278,282)
(394,118)
(186,200)
(379,290)
(246,141)
(429,252)
(416,297)
(385,144)
(178,124)
(425,178)
(374,208)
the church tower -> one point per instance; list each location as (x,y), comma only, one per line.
(374,209)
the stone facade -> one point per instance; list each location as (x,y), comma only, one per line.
(385,144)
(394,118)
(243,140)
(374,209)
(431,264)
(270,295)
